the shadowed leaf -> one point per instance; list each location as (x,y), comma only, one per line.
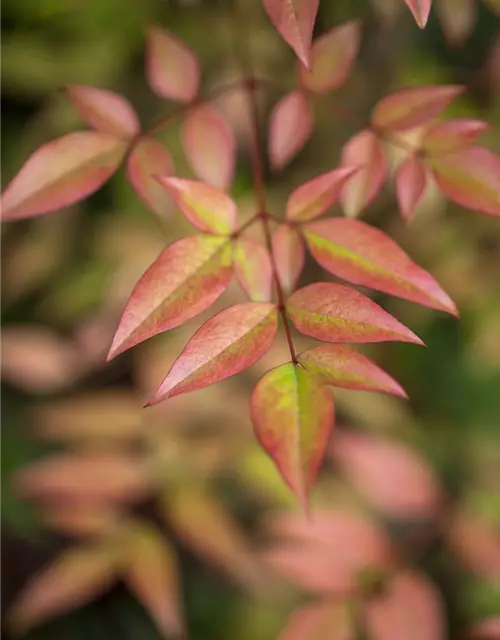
(253,268)
(148,159)
(290,127)
(319,621)
(488,629)
(289,255)
(457,19)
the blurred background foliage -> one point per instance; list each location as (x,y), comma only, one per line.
(66,277)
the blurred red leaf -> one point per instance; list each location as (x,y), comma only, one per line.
(319,621)
(289,255)
(290,127)
(411,179)
(147,159)
(488,629)
(253,268)
(61,173)
(187,278)
(420,10)
(363,255)
(105,110)
(172,69)
(453,135)
(209,145)
(80,520)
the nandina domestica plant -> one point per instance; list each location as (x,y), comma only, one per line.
(292,406)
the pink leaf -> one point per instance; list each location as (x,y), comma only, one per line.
(294,20)
(187,278)
(206,207)
(363,255)
(290,127)
(293,416)
(409,108)
(209,145)
(332,58)
(104,110)
(340,366)
(488,629)
(61,173)
(319,621)
(452,135)
(147,159)
(172,69)
(393,478)
(420,10)
(289,255)
(335,313)
(228,343)
(314,197)
(363,149)
(470,177)
(412,609)
(411,179)
(253,268)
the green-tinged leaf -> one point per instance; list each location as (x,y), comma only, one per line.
(335,313)
(340,366)
(253,268)
(228,343)
(329,620)
(289,255)
(449,136)
(363,255)
(293,416)
(147,159)
(187,278)
(61,173)
(206,207)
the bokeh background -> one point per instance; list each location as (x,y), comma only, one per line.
(66,277)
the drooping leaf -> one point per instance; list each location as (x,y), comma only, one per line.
(450,136)
(253,268)
(363,149)
(172,69)
(470,177)
(209,145)
(289,255)
(61,173)
(75,578)
(148,159)
(152,575)
(228,343)
(105,110)
(293,417)
(363,255)
(335,313)
(340,366)
(332,58)
(290,127)
(420,10)
(206,207)
(394,479)
(457,18)
(411,180)
(294,20)
(319,621)
(409,108)
(187,278)
(315,196)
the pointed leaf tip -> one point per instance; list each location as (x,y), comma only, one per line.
(420,10)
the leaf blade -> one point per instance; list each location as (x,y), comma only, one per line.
(411,180)
(253,269)
(420,10)
(290,127)
(289,255)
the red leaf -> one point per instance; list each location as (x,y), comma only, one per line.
(172,69)
(152,575)
(393,478)
(209,145)
(363,255)
(253,268)
(187,278)
(289,255)
(342,367)
(409,108)
(411,180)
(290,127)
(452,135)
(420,10)
(412,610)
(294,20)
(332,58)
(293,417)
(206,207)
(319,621)
(61,173)
(488,629)
(363,149)
(335,313)
(105,110)
(314,197)
(147,159)
(77,577)
(470,177)
(228,343)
